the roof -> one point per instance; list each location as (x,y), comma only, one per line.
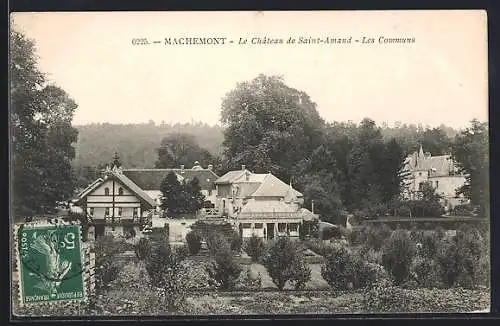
(134,188)
(230,176)
(440,165)
(150,179)
(274,187)
(89,188)
(125,181)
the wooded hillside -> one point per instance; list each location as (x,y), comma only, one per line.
(137,143)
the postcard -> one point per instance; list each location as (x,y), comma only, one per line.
(249,163)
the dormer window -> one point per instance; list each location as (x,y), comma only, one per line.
(106,191)
(120,191)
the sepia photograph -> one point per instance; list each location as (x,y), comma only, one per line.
(248,163)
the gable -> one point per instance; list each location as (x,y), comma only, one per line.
(274,187)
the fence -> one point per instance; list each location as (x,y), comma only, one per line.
(449,223)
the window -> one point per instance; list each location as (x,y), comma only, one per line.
(106,211)
(136,211)
(420,185)
(120,211)
(246,225)
(293,227)
(106,191)
(437,184)
(259,225)
(120,191)
(91,211)
(281,227)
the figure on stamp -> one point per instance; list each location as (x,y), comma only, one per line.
(47,246)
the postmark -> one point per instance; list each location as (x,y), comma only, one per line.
(50,263)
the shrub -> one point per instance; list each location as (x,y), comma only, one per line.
(332,232)
(193,240)
(357,235)
(224,271)
(377,235)
(301,274)
(255,248)
(462,259)
(339,269)
(425,272)
(167,273)
(429,244)
(235,241)
(463,210)
(397,255)
(309,229)
(249,281)
(143,249)
(217,242)
(106,265)
(319,247)
(284,262)
(368,273)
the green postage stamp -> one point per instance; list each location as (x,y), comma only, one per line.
(50,263)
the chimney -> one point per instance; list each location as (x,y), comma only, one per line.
(243,167)
(312,206)
(210,167)
(182,168)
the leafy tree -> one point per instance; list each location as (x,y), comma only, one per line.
(269,126)
(178,149)
(285,262)
(179,197)
(391,171)
(42,135)
(471,153)
(436,141)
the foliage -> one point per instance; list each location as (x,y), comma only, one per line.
(255,248)
(41,133)
(235,241)
(269,126)
(106,265)
(193,240)
(309,229)
(217,242)
(285,262)
(465,210)
(425,272)
(462,259)
(339,269)
(249,281)
(471,153)
(178,149)
(179,197)
(398,253)
(143,249)
(333,232)
(166,273)
(224,271)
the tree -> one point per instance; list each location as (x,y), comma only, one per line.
(285,262)
(178,149)
(391,171)
(172,192)
(255,248)
(471,153)
(179,197)
(42,135)
(269,126)
(436,141)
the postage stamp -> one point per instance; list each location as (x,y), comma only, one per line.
(50,263)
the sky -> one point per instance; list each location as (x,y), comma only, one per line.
(439,79)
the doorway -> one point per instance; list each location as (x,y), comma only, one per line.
(270,231)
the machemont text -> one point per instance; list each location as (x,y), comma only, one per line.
(195,40)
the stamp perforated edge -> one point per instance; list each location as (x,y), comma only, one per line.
(84,252)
